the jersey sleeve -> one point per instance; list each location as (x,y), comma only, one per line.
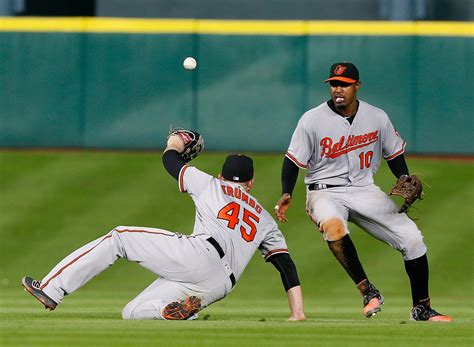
(301,146)
(392,144)
(273,243)
(192,180)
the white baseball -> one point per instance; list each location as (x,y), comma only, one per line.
(189,63)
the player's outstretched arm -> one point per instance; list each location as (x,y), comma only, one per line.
(172,160)
(289,277)
(289,175)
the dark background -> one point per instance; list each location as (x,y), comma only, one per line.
(437,10)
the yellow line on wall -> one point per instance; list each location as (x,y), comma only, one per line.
(233,27)
(392,28)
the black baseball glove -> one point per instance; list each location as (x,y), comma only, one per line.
(409,188)
(193,143)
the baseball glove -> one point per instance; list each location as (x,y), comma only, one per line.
(409,187)
(193,143)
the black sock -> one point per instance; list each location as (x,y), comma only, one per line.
(417,270)
(345,252)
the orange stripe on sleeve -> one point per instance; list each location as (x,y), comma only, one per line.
(276,251)
(396,154)
(180,181)
(294,160)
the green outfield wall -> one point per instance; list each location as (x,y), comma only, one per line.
(119,83)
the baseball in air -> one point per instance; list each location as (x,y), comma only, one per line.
(189,63)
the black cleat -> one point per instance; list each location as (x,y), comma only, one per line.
(372,301)
(34,288)
(426,313)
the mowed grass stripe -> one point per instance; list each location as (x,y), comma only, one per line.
(62,180)
(64,197)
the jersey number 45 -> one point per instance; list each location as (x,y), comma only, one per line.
(231,213)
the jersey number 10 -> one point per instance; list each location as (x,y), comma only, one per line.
(230,213)
(365,158)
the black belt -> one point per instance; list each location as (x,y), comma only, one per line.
(219,250)
(319,186)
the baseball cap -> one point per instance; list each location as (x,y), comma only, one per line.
(238,168)
(345,72)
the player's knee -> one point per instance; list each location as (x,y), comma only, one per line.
(333,229)
(131,309)
(139,309)
(413,248)
(115,232)
(127,311)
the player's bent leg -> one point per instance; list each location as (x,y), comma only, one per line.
(341,245)
(186,309)
(163,299)
(375,212)
(328,213)
(339,242)
(400,232)
(143,245)
(412,245)
(81,266)
(417,270)
(333,229)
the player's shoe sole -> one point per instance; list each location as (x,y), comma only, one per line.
(373,306)
(185,309)
(34,288)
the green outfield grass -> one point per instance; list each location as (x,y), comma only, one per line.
(53,202)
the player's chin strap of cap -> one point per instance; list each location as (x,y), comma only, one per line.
(219,250)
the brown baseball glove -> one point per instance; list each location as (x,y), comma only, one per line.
(410,188)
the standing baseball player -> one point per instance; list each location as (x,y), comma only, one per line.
(341,143)
(196,270)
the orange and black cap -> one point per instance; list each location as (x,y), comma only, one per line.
(345,72)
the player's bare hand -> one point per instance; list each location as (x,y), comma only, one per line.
(175,142)
(282,206)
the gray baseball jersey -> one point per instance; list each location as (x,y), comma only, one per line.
(231,216)
(338,153)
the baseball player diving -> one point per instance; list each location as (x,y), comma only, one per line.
(340,143)
(196,270)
